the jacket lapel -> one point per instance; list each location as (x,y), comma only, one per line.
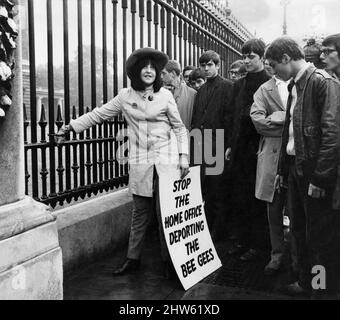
(272,89)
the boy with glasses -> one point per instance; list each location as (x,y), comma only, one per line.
(330,54)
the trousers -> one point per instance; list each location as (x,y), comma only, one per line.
(312,227)
(275,221)
(144,208)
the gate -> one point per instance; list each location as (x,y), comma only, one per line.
(81,70)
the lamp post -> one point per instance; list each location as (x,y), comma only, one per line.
(285,3)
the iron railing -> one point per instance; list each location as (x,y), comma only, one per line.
(87,163)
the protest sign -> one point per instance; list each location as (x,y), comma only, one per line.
(185,226)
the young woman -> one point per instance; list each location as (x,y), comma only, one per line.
(153,122)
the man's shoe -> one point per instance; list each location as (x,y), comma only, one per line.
(130,266)
(272,267)
(235,249)
(294,289)
(250,255)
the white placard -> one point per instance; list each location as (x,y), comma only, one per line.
(185,226)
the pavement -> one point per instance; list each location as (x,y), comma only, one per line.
(236,280)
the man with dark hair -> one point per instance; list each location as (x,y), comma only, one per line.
(308,161)
(248,212)
(210,56)
(184,95)
(330,55)
(211,113)
(186,73)
(197,79)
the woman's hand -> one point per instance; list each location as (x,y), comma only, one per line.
(184,165)
(61,135)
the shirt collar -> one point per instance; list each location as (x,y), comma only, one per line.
(302,71)
(280,81)
(147,92)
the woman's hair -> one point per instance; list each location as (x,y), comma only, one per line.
(136,81)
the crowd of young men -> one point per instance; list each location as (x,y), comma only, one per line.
(281,122)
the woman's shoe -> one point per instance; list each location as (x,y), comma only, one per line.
(250,255)
(130,266)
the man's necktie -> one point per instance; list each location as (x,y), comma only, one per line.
(289,106)
(290,97)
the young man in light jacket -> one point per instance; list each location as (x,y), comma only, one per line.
(268,115)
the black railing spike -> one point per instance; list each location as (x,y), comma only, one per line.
(59,115)
(74,113)
(141,8)
(42,116)
(133,6)
(155,13)
(162,17)
(59,121)
(149,10)
(124,4)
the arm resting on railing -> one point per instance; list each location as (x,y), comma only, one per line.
(98,115)
(86,121)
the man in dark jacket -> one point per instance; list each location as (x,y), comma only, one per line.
(211,121)
(330,55)
(248,212)
(308,160)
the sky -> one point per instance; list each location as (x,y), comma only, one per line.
(304,17)
(262,17)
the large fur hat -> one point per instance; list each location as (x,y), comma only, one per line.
(160,58)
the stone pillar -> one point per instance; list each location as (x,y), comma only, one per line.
(30,255)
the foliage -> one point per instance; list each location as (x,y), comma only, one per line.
(58,77)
